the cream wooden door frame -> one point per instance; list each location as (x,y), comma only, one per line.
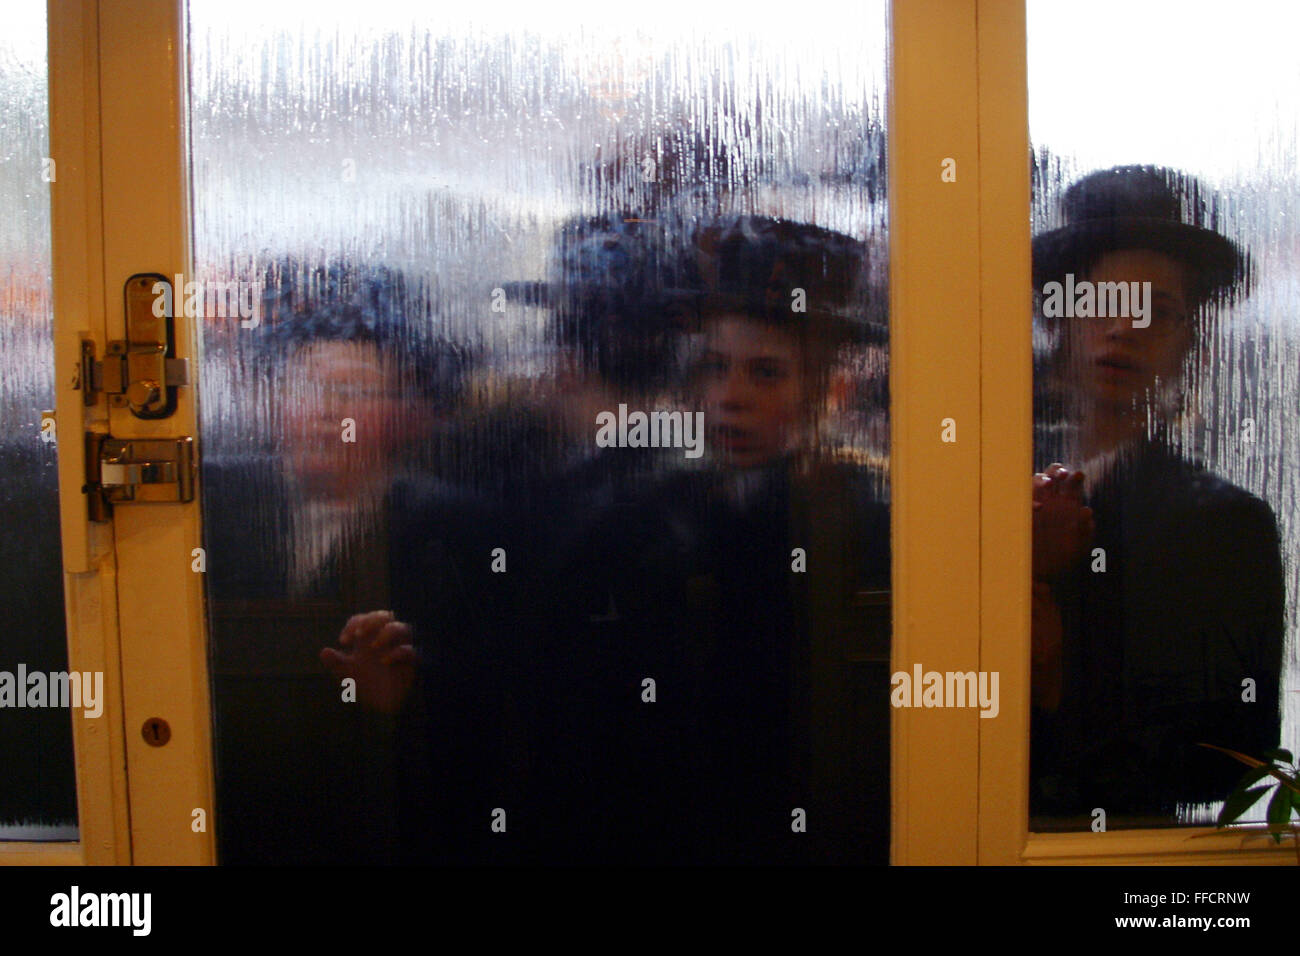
(134,606)
(934,485)
(1005,414)
(960,350)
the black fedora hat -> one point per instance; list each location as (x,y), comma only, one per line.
(615,261)
(647,275)
(617,294)
(305,303)
(789,273)
(1144,207)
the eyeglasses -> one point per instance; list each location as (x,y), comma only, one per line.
(1162,323)
(1166,322)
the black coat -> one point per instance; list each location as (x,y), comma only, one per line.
(303,777)
(473,574)
(1157,647)
(770,685)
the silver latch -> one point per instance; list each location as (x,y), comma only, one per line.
(137,470)
(113,377)
(141,371)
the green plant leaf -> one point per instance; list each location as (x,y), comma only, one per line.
(1290,782)
(1239,802)
(1251,777)
(1279,811)
(1279,755)
(1236,755)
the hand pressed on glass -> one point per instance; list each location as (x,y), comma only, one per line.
(1063,530)
(377,653)
(1063,525)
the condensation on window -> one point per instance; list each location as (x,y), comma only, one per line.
(38,798)
(432,253)
(1164,144)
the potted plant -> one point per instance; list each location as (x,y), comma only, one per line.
(1280,766)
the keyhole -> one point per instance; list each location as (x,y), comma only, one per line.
(156,732)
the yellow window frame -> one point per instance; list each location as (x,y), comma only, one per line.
(960,350)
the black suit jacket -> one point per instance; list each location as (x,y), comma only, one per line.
(303,777)
(770,684)
(1159,646)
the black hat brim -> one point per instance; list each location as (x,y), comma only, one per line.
(685,304)
(1217,263)
(557,295)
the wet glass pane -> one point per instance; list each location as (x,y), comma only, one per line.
(1167,376)
(38,798)
(553,343)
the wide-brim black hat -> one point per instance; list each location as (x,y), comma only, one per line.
(305,302)
(634,272)
(1144,207)
(614,260)
(788,273)
(617,295)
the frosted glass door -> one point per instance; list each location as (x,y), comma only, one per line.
(38,797)
(1167,352)
(554,342)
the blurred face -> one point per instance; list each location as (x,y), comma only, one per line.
(752,378)
(1114,363)
(326,383)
